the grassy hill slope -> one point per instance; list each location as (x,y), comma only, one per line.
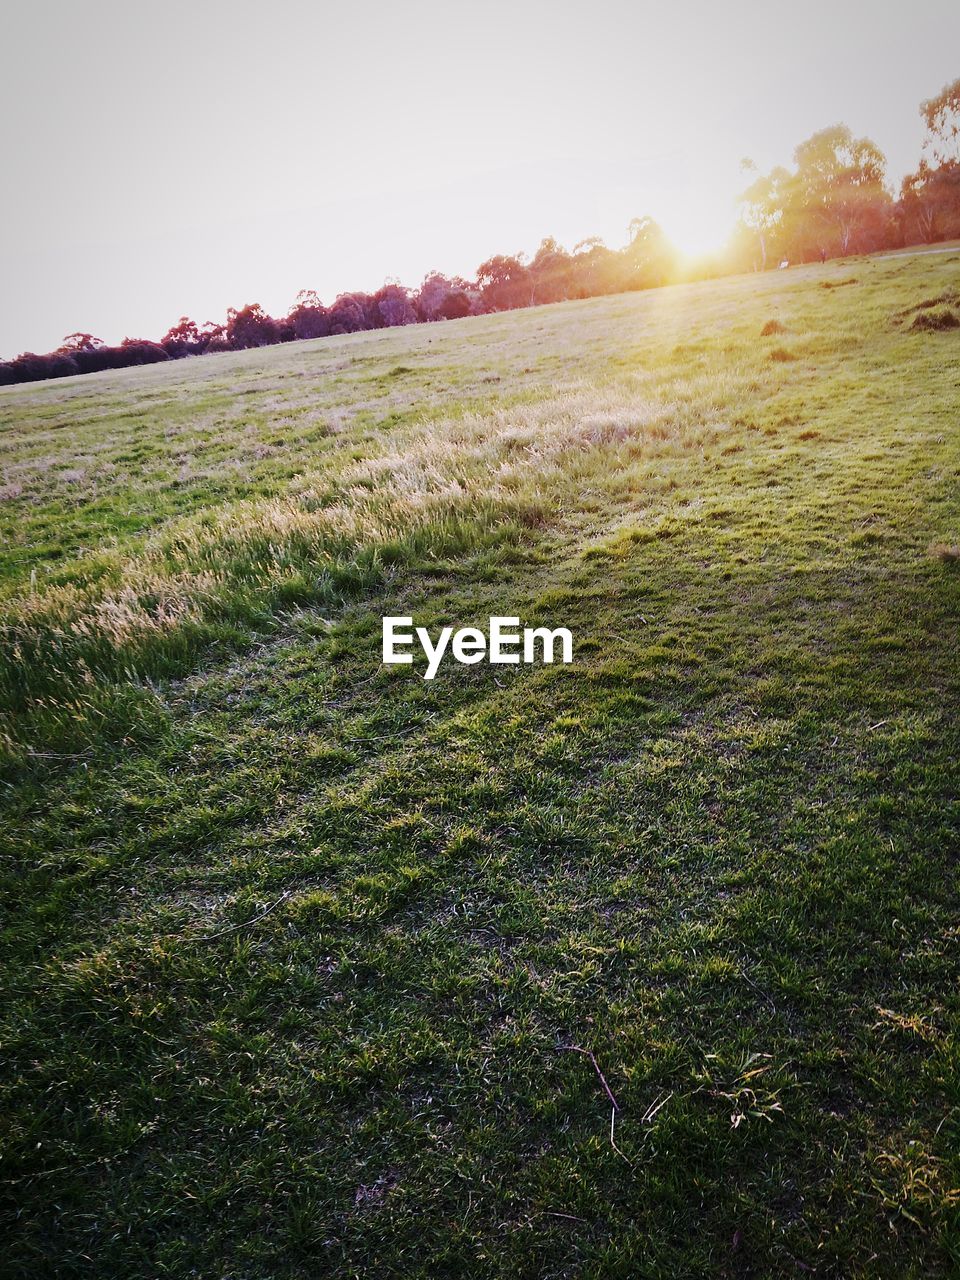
(306,958)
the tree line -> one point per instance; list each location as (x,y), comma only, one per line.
(834,202)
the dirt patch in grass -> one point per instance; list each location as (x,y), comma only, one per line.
(838,284)
(771,327)
(782,355)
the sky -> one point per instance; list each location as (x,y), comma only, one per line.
(179,158)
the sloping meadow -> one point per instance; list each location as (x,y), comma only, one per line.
(642,965)
(80,641)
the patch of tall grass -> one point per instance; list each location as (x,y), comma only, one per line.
(452,487)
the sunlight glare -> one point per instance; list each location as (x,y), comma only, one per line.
(699,225)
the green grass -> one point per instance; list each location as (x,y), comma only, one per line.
(297,948)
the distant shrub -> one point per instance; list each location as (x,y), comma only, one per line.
(30,367)
(310,321)
(60,365)
(771,327)
(93,359)
(134,351)
(69,361)
(348,313)
(935,321)
(393,307)
(251,327)
(782,355)
(455,305)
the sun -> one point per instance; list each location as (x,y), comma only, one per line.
(699,225)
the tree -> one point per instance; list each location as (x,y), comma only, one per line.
(930,198)
(763,208)
(394,306)
(29,367)
(443,297)
(456,305)
(941,115)
(81,342)
(349,313)
(182,339)
(308,316)
(250,327)
(185,330)
(139,351)
(505,282)
(550,271)
(593,269)
(649,255)
(214,336)
(840,190)
(917,204)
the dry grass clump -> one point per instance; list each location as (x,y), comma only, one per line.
(503,449)
(838,284)
(781,355)
(772,327)
(193,581)
(947,298)
(947,552)
(944,300)
(935,321)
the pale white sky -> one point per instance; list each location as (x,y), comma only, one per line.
(177,158)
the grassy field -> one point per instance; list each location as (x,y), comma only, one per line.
(305,957)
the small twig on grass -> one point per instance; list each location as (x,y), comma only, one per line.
(759,990)
(802,1265)
(878,725)
(209,937)
(613,1118)
(655,1107)
(614,1105)
(56,755)
(946,1115)
(575,1048)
